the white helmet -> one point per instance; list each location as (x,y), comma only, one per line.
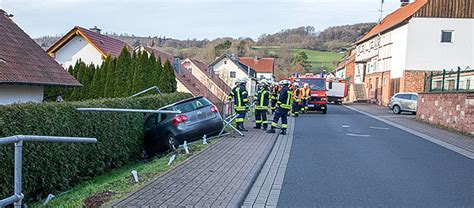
(243,80)
(306,85)
(237,80)
(285,82)
(296,84)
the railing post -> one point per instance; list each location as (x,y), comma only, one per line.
(431,81)
(424,82)
(458,78)
(444,76)
(17,172)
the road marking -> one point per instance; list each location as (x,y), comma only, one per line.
(345,126)
(379,128)
(358,135)
(444,144)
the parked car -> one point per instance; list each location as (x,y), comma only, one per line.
(404,102)
(198,117)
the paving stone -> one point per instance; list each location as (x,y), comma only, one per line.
(220,176)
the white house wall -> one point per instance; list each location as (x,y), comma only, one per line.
(224,69)
(425,50)
(10,94)
(78,48)
(398,51)
(181,88)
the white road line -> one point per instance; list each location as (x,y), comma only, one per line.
(379,128)
(446,145)
(345,126)
(358,135)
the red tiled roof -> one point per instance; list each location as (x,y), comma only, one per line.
(394,19)
(261,65)
(214,77)
(160,54)
(22,61)
(195,86)
(104,44)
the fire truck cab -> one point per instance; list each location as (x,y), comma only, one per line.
(317,84)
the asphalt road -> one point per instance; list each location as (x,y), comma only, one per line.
(346,159)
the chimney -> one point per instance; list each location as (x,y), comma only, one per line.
(404,2)
(95,29)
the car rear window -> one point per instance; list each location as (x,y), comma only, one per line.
(192,105)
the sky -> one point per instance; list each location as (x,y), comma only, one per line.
(188,19)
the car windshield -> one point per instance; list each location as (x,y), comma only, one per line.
(315,84)
(192,105)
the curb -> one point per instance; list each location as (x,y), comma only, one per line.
(241,195)
(444,144)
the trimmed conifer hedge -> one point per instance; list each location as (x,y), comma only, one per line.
(56,167)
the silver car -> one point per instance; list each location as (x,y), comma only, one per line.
(404,102)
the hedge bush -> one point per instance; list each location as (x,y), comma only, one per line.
(55,167)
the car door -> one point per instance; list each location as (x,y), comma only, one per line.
(405,101)
(413,103)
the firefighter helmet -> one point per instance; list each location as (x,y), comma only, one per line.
(285,82)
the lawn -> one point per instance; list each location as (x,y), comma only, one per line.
(105,189)
(316,58)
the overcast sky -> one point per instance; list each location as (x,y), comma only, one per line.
(188,19)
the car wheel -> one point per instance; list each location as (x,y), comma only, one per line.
(396,109)
(172,142)
(325,111)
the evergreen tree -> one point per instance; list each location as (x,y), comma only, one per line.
(94,90)
(169,77)
(110,79)
(131,75)
(123,64)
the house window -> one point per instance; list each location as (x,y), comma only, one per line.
(232,74)
(225,62)
(446,36)
(190,70)
(262,77)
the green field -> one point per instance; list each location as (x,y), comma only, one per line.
(316,58)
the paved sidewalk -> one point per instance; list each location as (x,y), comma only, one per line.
(409,121)
(265,192)
(220,176)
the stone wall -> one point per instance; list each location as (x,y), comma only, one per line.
(449,109)
(412,81)
(378,93)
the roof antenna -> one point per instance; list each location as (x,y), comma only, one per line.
(381,11)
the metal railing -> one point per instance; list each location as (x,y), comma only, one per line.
(17,198)
(157,89)
(449,81)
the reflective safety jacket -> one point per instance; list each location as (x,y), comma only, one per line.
(297,95)
(285,98)
(240,96)
(262,99)
(307,92)
(274,93)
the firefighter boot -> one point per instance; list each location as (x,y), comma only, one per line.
(271,130)
(283,132)
(242,128)
(264,127)
(257,126)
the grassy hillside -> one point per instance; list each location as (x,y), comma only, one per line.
(316,58)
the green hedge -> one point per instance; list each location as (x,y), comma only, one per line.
(55,167)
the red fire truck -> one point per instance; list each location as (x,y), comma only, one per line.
(317,84)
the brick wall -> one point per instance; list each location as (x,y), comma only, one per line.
(412,81)
(452,110)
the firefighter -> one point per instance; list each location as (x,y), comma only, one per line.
(297,95)
(307,96)
(240,96)
(261,106)
(274,96)
(284,106)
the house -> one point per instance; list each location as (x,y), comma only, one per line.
(25,69)
(90,46)
(346,71)
(421,36)
(229,68)
(265,67)
(212,81)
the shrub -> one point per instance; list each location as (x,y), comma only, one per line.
(55,167)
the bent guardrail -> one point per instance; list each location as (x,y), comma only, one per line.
(17,198)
